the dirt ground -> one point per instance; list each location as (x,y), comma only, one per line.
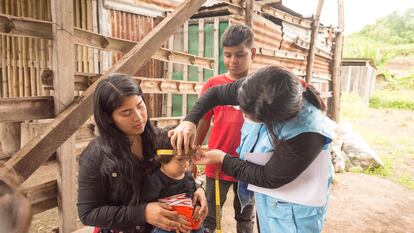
(358,203)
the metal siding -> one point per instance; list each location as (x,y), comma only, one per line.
(222,27)
(208,47)
(193,47)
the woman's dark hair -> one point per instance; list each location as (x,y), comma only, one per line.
(15,210)
(163,142)
(273,94)
(116,146)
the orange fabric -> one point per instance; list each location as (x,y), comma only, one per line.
(187,212)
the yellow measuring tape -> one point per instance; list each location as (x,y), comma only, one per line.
(217,190)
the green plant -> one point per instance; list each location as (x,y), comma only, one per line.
(394,99)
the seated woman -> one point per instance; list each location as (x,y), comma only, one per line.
(173,183)
(113,166)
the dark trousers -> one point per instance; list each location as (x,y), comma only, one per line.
(245,219)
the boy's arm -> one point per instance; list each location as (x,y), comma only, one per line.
(202,129)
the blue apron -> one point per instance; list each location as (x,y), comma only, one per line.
(276,215)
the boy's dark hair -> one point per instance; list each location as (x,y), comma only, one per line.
(236,35)
(162,142)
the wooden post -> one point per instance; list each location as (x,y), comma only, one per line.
(336,70)
(41,147)
(64,69)
(170,71)
(216,45)
(249,13)
(312,45)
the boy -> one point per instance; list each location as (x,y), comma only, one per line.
(238,51)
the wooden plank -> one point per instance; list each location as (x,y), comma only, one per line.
(38,150)
(63,60)
(4,67)
(312,46)
(149,85)
(23,26)
(28,108)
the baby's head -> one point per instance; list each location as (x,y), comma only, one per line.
(172,164)
(15,210)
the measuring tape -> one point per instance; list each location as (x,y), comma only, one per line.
(217,190)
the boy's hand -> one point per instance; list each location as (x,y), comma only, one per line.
(183,137)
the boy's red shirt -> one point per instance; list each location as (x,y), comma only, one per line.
(226,132)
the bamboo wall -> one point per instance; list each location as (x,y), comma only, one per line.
(23,59)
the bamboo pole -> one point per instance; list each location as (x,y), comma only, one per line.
(8,57)
(4,66)
(3,79)
(95,30)
(313,39)
(89,28)
(33,84)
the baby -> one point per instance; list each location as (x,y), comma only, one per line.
(173,183)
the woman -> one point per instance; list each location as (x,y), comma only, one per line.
(284,125)
(113,165)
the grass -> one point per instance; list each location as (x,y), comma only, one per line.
(395,99)
(385,134)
